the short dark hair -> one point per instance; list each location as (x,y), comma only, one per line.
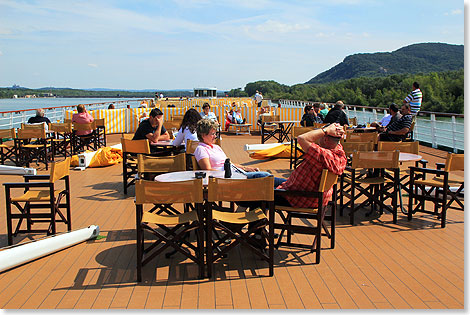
(155,112)
(407,105)
(416,84)
(393,107)
(80,108)
(206,105)
(316,105)
(307,108)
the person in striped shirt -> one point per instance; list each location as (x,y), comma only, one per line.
(414,99)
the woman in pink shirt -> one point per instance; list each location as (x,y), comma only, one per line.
(82,117)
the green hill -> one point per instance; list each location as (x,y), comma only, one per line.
(416,58)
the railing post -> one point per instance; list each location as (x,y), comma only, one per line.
(433,129)
(454,134)
(374,114)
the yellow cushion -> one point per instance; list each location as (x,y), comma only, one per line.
(36,196)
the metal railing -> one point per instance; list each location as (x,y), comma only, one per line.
(437,129)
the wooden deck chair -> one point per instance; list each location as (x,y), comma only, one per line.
(8,149)
(294,159)
(232,224)
(85,142)
(62,141)
(150,166)
(318,215)
(33,144)
(191,163)
(439,189)
(268,129)
(319,125)
(376,189)
(169,229)
(130,149)
(47,195)
(101,131)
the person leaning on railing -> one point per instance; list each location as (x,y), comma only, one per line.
(82,117)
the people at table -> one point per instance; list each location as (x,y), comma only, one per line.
(337,115)
(397,130)
(187,130)
(39,118)
(210,156)
(82,117)
(327,154)
(206,112)
(152,128)
(310,117)
(393,115)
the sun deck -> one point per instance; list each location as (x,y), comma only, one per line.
(375,265)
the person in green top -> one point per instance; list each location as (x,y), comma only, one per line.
(323,110)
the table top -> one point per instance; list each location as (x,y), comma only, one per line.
(282,122)
(189,175)
(162,143)
(409,157)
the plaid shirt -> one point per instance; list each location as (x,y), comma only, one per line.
(307,176)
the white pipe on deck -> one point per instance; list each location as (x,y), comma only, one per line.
(23,253)
(16,170)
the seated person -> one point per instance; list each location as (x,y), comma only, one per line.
(82,117)
(393,115)
(187,130)
(310,117)
(397,130)
(39,118)
(323,110)
(152,128)
(317,113)
(206,113)
(328,153)
(210,156)
(337,115)
(111,106)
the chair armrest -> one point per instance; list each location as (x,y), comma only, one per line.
(35,177)
(440,166)
(27,185)
(426,170)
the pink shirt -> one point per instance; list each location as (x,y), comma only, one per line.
(82,118)
(215,154)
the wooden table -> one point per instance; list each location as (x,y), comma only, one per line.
(281,133)
(365,129)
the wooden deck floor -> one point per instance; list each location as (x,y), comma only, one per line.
(375,265)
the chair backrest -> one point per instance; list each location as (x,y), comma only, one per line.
(29,133)
(161,164)
(100,122)
(127,136)
(318,125)
(353,121)
(375,159)
(297,131)
(350,147)
(408,147)
(227,189)
(190,191)
(8,133)
(59,170)
(454,162)
(61,127)
(362,137)
(84,127)
(177,118)
(269,118)
(135,146)
(327,180)
(39,125)
(172,124)
(191,146)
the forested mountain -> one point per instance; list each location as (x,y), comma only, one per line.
(442,91)
(417,58)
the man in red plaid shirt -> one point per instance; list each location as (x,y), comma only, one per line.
(328,153)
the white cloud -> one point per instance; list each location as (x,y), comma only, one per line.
(93,65)
(453,12)
(1,53)
(271,26)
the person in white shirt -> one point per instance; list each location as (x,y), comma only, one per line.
(206,113)
(187,130)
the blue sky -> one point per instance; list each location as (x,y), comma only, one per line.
(182,44)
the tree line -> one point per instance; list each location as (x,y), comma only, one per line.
(442,91)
